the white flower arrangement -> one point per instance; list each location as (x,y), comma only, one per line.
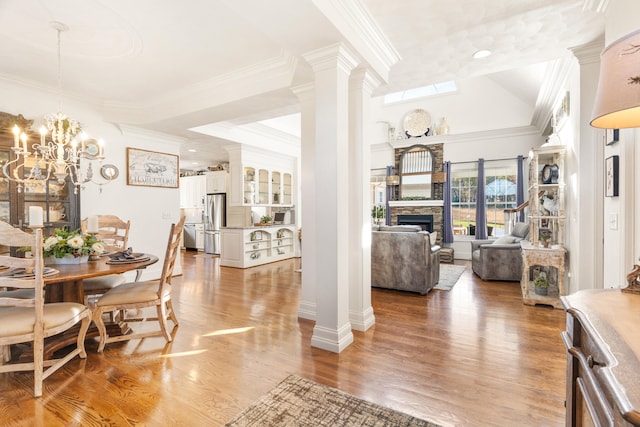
(72,243)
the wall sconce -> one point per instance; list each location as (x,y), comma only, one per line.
(617,103)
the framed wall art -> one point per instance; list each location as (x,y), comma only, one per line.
(152,169)
(612,136)
(611,176)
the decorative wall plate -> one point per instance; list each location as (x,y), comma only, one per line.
(417,122)
(109,172)
(91,147)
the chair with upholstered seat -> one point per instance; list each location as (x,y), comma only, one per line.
(113,232)
(139,295)
(30,320)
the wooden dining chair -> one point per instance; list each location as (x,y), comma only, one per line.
(113,232)
(24,320)
(138,295)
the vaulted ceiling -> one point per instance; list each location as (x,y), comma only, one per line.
(174,66)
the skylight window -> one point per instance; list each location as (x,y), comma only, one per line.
(421,92)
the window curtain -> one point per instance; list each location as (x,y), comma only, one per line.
(520,187)
(448,213)
(387,216)
(481,205)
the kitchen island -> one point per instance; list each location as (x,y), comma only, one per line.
(244,247)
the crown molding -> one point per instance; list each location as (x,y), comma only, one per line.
(466,137)
(357,25)
(269,75)
(553,83)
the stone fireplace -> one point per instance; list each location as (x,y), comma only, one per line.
(420,210)
(424,221)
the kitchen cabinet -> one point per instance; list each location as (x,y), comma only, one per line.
(248,247)
(192,191)
(259,177)
(603,374)
(216,182)
(200,237)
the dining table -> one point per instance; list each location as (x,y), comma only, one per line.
(64,284)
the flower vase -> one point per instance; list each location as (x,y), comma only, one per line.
(443,128)
(67,259)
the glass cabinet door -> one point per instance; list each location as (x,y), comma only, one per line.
(249,178)
(275,188)
(263,186)
(286,189)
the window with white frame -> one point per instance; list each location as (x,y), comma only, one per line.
(500,194)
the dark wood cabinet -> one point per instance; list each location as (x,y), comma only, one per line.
(603,360)
(60,202)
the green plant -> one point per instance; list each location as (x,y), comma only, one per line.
(378,212)
(266,218)
(65,242)
(541,282)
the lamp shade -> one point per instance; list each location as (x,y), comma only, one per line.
(617,103)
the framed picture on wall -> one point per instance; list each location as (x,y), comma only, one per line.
(611,176)
(152,169)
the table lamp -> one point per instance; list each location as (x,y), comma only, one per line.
(617,104)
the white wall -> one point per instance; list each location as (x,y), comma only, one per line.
(622,244)
(151,210)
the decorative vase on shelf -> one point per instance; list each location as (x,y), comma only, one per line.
(67,259)
(443,127)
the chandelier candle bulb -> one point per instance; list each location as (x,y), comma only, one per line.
(92,224)
(16,136)
(35,216)
(43,132)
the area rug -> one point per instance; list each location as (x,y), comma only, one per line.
(299,402)
(449,275)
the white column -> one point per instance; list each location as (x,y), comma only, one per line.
(307,209)
(360,310)
(586,240)
(332,66)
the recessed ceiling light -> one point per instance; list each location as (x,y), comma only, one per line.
(483,53)
(191,150)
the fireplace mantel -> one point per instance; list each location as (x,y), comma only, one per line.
(411,203)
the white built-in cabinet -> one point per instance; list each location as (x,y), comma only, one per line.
(192,191)
(260,178)
(266,187)
(216,182)
(248,247)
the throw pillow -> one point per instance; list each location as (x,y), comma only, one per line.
(503,240)
(521,229)
(433,236)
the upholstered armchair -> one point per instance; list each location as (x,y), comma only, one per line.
(404,258)
(499,259)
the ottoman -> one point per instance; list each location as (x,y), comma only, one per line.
(446,255)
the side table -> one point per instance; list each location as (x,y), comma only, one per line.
(550,261)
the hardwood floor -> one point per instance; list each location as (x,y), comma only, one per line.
(473,356)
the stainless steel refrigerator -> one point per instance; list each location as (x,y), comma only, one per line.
(215,217)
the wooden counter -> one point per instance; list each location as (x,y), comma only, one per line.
(603,361)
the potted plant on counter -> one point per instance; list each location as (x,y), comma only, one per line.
(265,220)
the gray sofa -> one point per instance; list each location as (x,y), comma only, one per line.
(499,259)
(404,258)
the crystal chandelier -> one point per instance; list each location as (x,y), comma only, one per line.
(59,154)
